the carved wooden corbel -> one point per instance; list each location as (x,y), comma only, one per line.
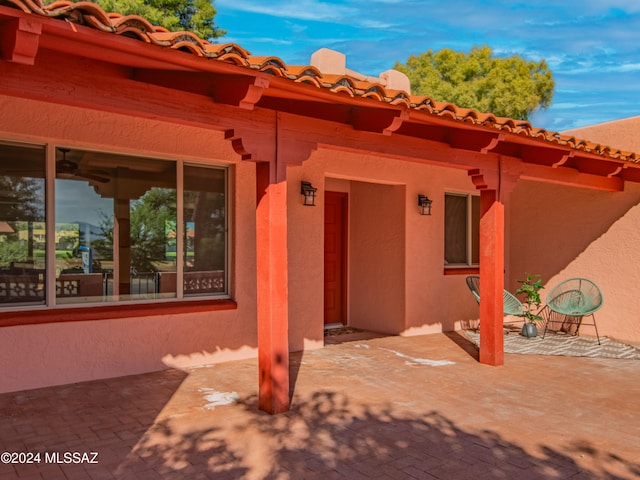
(19,40)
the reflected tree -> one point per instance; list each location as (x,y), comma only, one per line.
(21,201)
(206,212)
(153,220)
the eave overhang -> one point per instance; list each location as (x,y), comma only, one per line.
(227,75)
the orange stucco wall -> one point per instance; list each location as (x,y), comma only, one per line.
(561,232)
(395,273)
(377,257)
(58,353)
(396,283)
(571,232)
(619,134)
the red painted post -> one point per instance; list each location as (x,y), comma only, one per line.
(491,278)
(273,294)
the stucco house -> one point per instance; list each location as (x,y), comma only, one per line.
(172,202)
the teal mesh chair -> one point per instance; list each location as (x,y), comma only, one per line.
(569,303)
(511,304)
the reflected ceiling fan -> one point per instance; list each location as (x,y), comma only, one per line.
(69,169)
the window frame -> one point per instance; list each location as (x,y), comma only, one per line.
(52,311)
(469,266)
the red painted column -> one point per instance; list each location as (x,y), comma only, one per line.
(491,278)
(273,294)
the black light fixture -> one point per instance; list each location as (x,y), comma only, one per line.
(309,192)
(425,204)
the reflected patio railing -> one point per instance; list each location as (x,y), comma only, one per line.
(29,287)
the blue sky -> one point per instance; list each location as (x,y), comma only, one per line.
(592,46)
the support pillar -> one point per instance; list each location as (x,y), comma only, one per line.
(491,278)
(273,293)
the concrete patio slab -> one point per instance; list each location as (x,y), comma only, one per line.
(382,408)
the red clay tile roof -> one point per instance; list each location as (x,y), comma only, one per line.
(91,15)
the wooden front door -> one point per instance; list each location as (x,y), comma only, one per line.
(335,258)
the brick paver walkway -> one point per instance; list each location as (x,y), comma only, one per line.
(384,408)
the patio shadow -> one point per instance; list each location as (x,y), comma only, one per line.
(327,437)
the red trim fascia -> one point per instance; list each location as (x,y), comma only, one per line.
(54,315)
(462,271)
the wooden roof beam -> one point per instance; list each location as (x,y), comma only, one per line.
(602,167)
(564,176)
(19,40)
(546,156)
(240,91)
(474,140)
(378,120)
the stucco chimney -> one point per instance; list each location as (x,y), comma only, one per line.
(329,61)
(335,63)
(396,80)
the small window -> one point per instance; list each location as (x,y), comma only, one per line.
(461,230)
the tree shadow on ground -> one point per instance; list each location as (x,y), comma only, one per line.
(326,436)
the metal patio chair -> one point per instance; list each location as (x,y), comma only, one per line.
(569,302)
(511,304)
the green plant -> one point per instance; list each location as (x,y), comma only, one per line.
(530,288)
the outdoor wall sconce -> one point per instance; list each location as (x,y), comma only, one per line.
(425,205)
(309,192)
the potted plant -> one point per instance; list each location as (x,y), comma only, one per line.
(530,288)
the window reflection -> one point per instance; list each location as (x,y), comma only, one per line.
(22,224)
(112,217)
(116,228)
(205,231)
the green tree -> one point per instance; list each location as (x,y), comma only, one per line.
(175,15)
(152,216)
(507,87)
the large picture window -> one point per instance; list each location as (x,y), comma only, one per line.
(461,230)
(124,228)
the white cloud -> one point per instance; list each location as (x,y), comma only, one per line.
(592,50)
(625,67)
(270,40)
(598,6)
(314,10)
